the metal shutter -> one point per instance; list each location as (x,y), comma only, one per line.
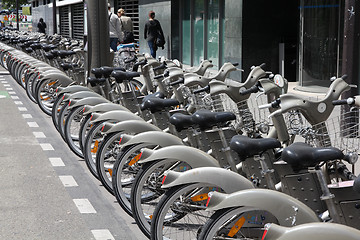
(131,10)
(64,21)
(77,14)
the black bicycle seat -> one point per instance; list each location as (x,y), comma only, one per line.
(181,121)
(65,66)
(206,119)
(247,147)
(120,76)
(35,46)
(95,81)
(49,55)
(106,71)
(97,72)
(29,50)
(301,155)
(157,104)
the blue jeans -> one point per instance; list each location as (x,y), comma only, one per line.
(113,43)
(153,48)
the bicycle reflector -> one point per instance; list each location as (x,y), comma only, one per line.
(209,197)
(266,228)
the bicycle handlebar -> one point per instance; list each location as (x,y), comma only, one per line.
(348,101)
(181,80)
(204,89)
(253,89)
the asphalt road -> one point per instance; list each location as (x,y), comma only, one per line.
(46,191)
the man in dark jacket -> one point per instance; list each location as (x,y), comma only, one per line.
(41,25)
(153,33)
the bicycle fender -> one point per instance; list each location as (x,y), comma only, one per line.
(80,95)
(103,107)
(322,231)
(87,101)
(287,210)
(192,156)
(193,79)
(130,126)
(116,115)
(156,137)
(73,89)
(229,181)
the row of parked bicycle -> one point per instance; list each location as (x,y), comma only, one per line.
(193,154)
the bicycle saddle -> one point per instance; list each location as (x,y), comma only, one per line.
(65,53)
(66,66)
(247,147)
(301,155)
(120,76)
(181,121)
(45,47)
(49,55)
(157,104)
(156,95)
(95,81)
(106,71)
(28,50)
(35,46)
(206,119)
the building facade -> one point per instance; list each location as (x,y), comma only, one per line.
(301,39)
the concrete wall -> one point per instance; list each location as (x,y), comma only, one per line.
(233,34)
(162,9)
(45,12)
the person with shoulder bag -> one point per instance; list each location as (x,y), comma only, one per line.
(126,27)
(114,29)
(153,34)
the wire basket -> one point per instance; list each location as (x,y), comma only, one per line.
(341,132)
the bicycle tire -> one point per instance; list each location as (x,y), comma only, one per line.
(71,124)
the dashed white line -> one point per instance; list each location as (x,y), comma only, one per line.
(46,146)
(9,89)
(18,102)
(14,97)
(12,92)
(56,162)
(84,205)
(102,234)
(68,181)
(39,135)
(22,109)
(26,115)
(6,85)
(33,124)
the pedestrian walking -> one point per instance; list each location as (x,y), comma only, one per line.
(41,25)
(114,29)
(126,27)
(153,34)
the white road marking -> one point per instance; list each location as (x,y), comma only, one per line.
(39,134)
(18,102)
(56,162)
(14,97)
(102,234)
(33,124)
(84,205)
(22,109)
(9,89)
(26,115)
(68,181)
(12,92)
(6,85)
(46,146)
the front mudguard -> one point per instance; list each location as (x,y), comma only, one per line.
(152,137)
(229,181)
(287,210)
(62,79)
(129,126)
(116,115)
(103,107)
(80,95)
(87,101)
(192,156)
(72,89)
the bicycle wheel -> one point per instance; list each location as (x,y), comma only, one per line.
(181,213)
(146,191)
(64,112)
(58,103)
(46,95)
(85,127)
(236,223)
(106,157)
(29,82)
(72,129)
(91,146)
(124,172)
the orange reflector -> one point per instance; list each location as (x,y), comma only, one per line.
(110,171)
(94,150)
(239,223)
(135,159)
(150,217)
(200,197)
(52,83)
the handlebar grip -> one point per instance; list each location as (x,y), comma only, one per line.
(143,62)
(158,76)
(162,66)
(181,80)
(204,89)
(253,89)
(166,73)
(262,65)
(129,60)
(236,64)
(344,77)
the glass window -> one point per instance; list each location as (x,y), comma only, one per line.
(198,31)
(213,32)
(186,33)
